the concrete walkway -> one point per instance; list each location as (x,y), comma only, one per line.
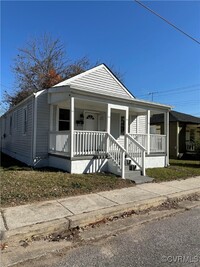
(49,216)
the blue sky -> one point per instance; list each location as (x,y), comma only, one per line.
(153,56)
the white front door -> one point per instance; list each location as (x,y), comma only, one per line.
(91,121)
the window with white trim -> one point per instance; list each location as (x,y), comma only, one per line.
(25,120)
(64,119)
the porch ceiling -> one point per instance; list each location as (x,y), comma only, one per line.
(84,104)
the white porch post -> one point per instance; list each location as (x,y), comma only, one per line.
(166,132)
(148,131)
(108,118)
(126,122)
(72,126)
(108,125)
(126,128)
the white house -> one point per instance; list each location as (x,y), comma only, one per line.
(88,123)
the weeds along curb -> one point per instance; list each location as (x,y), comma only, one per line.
(45,229)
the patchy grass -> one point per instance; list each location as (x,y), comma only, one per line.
(178,169)
(21,184)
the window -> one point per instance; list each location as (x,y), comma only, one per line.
(122,128)
(10,126)
(64,120)
(192,135)
(25,120)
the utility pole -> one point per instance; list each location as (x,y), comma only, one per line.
(152,94)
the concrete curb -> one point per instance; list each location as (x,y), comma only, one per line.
(99,215)
(39,229)
(184,194)
(85,219)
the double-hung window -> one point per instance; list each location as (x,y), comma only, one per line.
(64,120)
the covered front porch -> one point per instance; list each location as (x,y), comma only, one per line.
(87,127)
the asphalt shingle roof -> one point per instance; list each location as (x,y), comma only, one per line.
(175,116)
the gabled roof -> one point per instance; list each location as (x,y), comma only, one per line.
(100,80)
(175,116)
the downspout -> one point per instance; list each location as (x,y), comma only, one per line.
(34,129)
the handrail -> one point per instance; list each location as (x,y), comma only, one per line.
(136,142)
(117,156)
(137,153)
(141,164)
(87,131)
(162,135)
(115,141)
(141,139)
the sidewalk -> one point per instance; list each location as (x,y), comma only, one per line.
(50,216)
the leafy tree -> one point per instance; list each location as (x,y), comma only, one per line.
(41,64)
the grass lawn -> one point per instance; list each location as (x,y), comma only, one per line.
(21,184)
(178,169)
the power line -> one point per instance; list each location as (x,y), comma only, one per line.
(176,90)
(168,22)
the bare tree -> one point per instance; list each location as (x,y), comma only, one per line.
(36,64)
(41,64)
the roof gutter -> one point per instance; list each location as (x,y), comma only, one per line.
(82,91)
(125,100)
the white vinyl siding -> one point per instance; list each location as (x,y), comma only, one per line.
(133,124)
(101,82)
(10,124)
(17,144)
(25,120)
(43,126)
(141,124)
(138,124)
(15,120)
(98,80)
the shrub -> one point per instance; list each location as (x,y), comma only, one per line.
(197,146)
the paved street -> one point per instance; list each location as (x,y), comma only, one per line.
(172,241)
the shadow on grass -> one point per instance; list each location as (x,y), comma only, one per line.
(185,164)
(10,164)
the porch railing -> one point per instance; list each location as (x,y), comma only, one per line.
(59,142)
(157,143)
(142,139)
(136,151)
(116,152)
(89,142)
(190,146)
(93,142)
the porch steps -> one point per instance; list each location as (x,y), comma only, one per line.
(131,173)
(138,179)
